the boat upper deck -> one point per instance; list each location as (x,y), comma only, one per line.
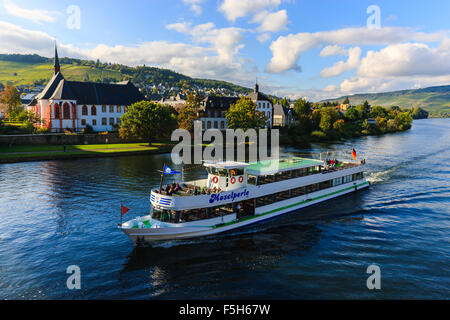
(280,169)
(268,167)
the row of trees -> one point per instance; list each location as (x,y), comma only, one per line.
(327,122)
(149,120)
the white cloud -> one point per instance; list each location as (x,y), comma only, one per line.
(407,59)
(330,88)
(234,9)
(399,66)
(195,5)
(333,51)
(263,37)
(36,15)
(226,41)
(340,67)
(182,27)
(271,22)
(286,50)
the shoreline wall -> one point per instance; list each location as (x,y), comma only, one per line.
(62,139)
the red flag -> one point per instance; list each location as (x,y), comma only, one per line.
(354,154)
(124,209)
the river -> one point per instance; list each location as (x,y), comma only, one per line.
(54,214)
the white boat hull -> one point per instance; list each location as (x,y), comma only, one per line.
(187,231)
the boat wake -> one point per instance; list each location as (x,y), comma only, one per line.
(378,177)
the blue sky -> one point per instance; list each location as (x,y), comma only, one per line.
(313,49)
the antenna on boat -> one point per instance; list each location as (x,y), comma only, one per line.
(182,174)
(161,181)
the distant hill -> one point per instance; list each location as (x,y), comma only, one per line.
(18,69)
(435,100)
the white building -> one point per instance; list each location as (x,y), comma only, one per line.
(263,104)
(73,105)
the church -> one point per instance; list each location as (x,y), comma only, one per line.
(72,105)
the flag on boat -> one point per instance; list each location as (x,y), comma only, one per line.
(124,209)
(167,170)
(354,153)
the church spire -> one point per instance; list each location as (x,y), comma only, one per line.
(256,86)
(56,65)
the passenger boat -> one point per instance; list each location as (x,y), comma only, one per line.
(237,194)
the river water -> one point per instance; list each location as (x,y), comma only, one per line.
(54,214)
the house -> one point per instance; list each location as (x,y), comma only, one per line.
(26,99)
(72,105)
(343,107)
(263,104)
(283,116)
(214,107)
(213,111)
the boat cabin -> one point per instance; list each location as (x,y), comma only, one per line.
(226,176)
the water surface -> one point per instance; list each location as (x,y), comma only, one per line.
(54,214)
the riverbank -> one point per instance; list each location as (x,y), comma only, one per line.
(290,138)
(57,152)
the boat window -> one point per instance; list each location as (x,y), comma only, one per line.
(236,172)
(165,215)
(251,180)
(222,172)
(337,181)
(192,215)
(347,179)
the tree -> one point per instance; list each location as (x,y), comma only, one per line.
(303,107)
(328,116)
(351,114)
(362,112)
(284,102)
(315,119)
(378,111)
(148,120)
(367,107)
(10,99)
(346,101)
(403,120)
(339,126)
(419,113)
(243,115)
(189,112)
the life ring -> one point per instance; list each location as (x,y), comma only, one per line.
(233,180)
(241,179)
(215,180)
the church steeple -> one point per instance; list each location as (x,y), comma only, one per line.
(256,87)
(56,65)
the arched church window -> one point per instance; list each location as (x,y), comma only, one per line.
(84,111)
(66,111)
(57,111)
(93,111)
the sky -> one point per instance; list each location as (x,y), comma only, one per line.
(313,49)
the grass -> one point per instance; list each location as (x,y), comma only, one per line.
(56,151)
(20,73)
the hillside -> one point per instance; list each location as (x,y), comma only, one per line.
(435,100)
(28,70)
